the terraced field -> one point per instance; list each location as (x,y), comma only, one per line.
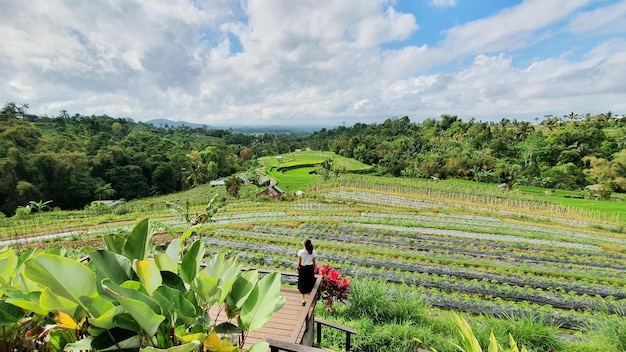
(480,253)
(461,258)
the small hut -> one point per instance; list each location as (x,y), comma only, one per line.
(273,191)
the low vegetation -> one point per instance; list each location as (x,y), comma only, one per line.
(543,265)
(417,250)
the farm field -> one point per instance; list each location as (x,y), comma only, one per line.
(297,170)
(459,260)
(459,248)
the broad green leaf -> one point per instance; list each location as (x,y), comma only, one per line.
(191,261)
(24,256)
(188,347)
(241,289)
(81,345)
(206,289)
(60,251)
(27,301)
(139,310)
(190,231)
(99,306)
(260,346)
(173,303)
(228,328)
(24,283)
(149,275)
(127,322)
(172,280)
(225,271)
(8,267)
(173,250)
(64,277)
(165,263)
(53,302)
(116,339)
(114,243)
(137,245)
(10,314)
(130,289)
(110,265)
(259,306)
(106,319)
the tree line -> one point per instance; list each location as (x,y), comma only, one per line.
(568,152)
(72,160)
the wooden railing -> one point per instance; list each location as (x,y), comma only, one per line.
(276,346)
(348,330)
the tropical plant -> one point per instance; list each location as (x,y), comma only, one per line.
(39,206)
(104,191)
(127,297)
(184,210)
(334,287)
(471,344)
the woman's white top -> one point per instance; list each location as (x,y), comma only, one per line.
(306,258)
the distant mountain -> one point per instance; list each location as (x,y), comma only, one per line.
(240,128)
(163,122)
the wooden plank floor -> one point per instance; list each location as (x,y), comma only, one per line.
(288,324)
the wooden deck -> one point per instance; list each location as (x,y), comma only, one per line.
(290,323)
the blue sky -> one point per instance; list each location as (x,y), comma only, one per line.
(314,62)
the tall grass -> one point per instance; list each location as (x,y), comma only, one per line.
(606,333)
(389,317)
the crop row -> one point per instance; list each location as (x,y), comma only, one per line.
(380,191)
(453,297)
(504,254)
(552,254)
(441,271)
(489,225)
(416,261)
(443,226)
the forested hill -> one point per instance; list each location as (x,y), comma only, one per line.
(566,153)
(73,160)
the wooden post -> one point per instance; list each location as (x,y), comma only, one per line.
(349,331)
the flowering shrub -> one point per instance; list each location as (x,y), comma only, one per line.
(334,287)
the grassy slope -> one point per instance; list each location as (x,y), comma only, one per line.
(287,174)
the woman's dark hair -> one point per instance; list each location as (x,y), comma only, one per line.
(308,246)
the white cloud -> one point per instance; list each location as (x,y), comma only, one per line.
(442,3)
(492,87)
(607,19)
(510,29)
(314,62)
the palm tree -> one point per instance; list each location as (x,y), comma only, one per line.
(104,191)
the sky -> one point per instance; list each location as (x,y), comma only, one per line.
(314,62)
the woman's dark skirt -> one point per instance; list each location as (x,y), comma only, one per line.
(306,278)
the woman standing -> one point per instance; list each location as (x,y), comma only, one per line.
(306,269)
